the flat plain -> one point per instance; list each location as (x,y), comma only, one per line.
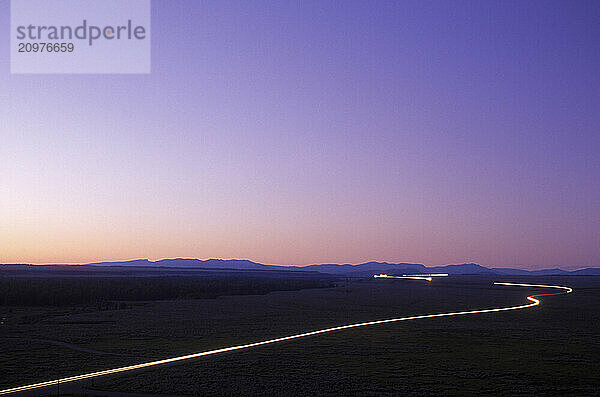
(551,349)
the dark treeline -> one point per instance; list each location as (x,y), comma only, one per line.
(94,290)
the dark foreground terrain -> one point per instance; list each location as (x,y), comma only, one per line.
(552,349)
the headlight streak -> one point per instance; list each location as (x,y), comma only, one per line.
(427,277)
(409,277)
(531,298)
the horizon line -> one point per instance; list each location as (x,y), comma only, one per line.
(519,267)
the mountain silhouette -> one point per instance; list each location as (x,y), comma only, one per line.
(360,270)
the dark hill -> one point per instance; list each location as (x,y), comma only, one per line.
(361,270)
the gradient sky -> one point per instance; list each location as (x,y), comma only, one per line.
(313,131)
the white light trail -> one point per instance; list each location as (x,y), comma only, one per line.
(427,278)
(54,382)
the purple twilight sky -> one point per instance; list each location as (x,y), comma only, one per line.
(317,131)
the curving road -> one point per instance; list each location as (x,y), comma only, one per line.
(531,298)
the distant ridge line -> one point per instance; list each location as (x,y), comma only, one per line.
(363,269)
(360,270)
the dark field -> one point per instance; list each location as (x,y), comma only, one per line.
(114,292)
(552,349)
